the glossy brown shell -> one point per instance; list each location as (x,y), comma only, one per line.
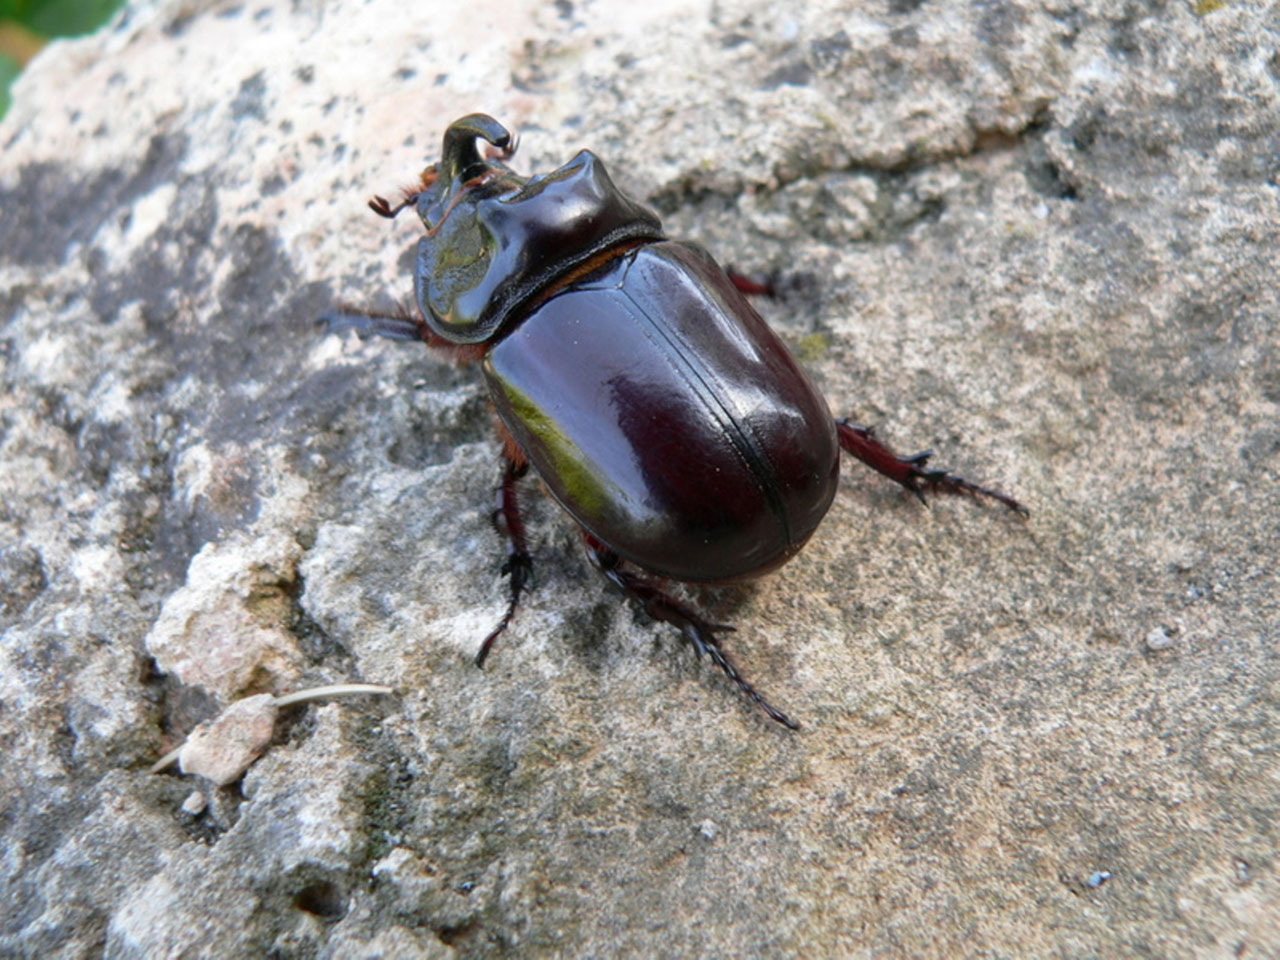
(667,418)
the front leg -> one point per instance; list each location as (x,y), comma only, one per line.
(697,630)
(400,325)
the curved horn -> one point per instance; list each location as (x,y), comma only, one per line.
(459,156)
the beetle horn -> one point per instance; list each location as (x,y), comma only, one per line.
(459,157)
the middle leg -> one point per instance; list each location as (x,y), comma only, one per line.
(519,564)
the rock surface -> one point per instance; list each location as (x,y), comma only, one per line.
(1043,241)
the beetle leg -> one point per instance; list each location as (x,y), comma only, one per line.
(910,471)
(393,326)
(698,631)
(518,565)
(752,287)
(401,325)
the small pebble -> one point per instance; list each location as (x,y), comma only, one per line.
(223,748)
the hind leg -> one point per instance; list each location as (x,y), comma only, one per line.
(910,471)
(699,631)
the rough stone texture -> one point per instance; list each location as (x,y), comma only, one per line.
(1042,240)
(227,629)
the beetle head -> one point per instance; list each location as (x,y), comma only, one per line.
(462,175)
(496,241)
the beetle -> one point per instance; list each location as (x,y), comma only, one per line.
(634,377)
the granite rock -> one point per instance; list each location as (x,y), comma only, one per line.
(1043,241)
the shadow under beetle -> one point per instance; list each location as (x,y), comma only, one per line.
(629,370)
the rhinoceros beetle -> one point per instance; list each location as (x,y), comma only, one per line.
(632,374)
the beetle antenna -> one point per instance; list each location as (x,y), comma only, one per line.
(383,208)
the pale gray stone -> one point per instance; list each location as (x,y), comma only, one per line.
(227,629)
(1042,240)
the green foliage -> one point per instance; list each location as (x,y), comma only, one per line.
(59,18)
(25,24)
(9,70)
